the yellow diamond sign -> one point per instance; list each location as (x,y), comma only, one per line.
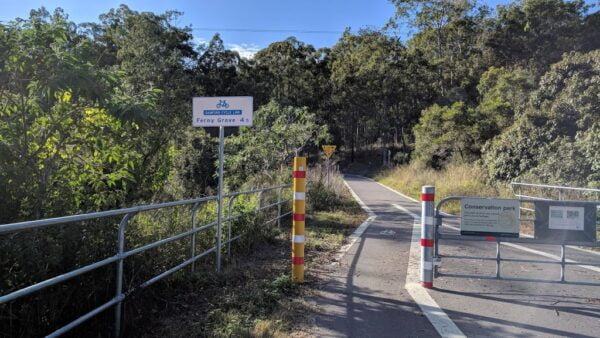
(328,150)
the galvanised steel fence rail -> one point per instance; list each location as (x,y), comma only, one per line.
(122,253)
(559,190)
(563,261)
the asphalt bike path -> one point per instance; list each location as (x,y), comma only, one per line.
(365,294)
(372,292)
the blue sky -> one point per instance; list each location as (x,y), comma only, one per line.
(303,15)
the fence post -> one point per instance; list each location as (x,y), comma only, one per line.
(119,290)
(193,249)
(427,225)
(279,192)
(259,202)
(436,247)
(562,263)
(498,260)
(299,177)
(230,224)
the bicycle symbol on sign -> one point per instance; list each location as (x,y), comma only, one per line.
(222,104)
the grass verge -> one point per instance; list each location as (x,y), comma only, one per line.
(457,180)
(454,180)
(253,296)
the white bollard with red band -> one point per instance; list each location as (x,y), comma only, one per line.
(427,229)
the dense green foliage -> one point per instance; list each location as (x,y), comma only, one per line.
(516,91)
(456,131)
(95,116)
(265,148)
(556,139)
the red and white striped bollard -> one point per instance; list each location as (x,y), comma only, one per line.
(427,229)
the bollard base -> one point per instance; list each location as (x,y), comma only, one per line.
(298,273)
(427,285)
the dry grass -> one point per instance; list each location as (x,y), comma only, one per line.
(454,180)
(463,180)
(253,296)
(327,231)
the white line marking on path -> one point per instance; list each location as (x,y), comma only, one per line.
(438,318)
(412,214)
(395,191)
(361,228)
(360,202)
(390,189)
(584,250)
(387,232)
(399,193)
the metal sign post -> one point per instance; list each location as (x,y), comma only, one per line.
(328,168)
(328,150)
(220,195)
(225,111)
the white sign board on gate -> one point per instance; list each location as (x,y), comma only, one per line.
(226,111)
(566,218)
(490,216)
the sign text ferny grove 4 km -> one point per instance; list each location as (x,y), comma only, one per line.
(224,111)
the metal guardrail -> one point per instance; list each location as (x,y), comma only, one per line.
(517,188)
(439,235)
(559,187)
(122,253)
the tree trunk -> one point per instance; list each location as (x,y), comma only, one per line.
(404,148)
(352,149)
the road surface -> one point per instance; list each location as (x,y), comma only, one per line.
(368,293)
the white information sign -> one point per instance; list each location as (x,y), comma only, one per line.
(566,218)
(225,111)
(494,216)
